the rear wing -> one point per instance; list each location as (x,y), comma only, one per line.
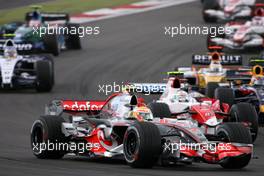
(146,88)
(179,74)
(81,105)
(240,76)
(49,17)
(4,38)
(256,61)
(9,28)
(184,74)
(57,107)
(231,60)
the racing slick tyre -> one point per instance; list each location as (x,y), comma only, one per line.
(246,113)
(225,95)
(46,131)
(50,58)
(210,89)
(161,110)
(210,4)
(142,145)
(73,41)
(45,77)
(51,44)
(236,133)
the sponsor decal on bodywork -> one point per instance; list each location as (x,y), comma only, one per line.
(20,47)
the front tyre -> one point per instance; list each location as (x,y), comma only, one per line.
(45,76)
(142,145)
(51,44)
(210,89)
(160,110)
(236,133)
(210,4)
(225,95)
(73,41)
(209,19)
(47,131)
(245,113)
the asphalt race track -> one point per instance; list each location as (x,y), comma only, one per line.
(129,48)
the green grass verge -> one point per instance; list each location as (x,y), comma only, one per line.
(69,6)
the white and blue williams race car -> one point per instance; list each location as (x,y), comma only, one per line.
(25,71)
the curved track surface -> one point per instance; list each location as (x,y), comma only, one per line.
(130,48)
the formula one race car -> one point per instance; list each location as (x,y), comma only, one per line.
(227,10)
(241,36)
(124,126)
(253,92)
(209,70)
(42,33)
(181,101)
(25,71)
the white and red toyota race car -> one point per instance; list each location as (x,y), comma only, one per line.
(207,113)
(226,10)
(124,126)
(241,36)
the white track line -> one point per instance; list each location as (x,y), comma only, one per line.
(107,13)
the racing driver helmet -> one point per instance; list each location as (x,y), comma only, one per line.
(10,52)
(35,20)
(216,66)
(181,96)
(141,113)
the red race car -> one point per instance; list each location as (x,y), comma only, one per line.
(181,100)
(124,126)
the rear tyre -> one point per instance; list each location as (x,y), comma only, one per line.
(209,19)
(225,95)
(210,4)
(73,41)
(210,89)
(236,133)
(45,77)
(246,113)
(160,110)
(47,130)
(51,44)
(49,58)
(142,145)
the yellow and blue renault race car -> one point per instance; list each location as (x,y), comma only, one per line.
(214,68)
